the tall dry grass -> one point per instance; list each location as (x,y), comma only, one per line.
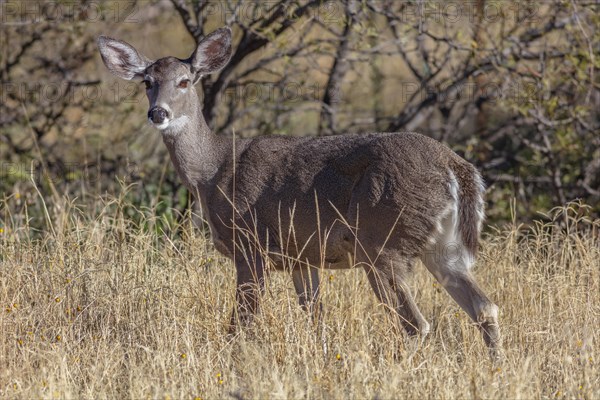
(99,305)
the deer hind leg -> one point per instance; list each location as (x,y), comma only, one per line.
(387,281)
(249,288)
(450,262)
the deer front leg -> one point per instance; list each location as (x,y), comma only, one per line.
(250,285)
(306,283)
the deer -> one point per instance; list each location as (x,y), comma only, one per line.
(377,201)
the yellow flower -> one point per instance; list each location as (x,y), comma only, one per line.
(183,356)
(330,278)
(58,338)
(338,356)
(1,231)
(57,299)
(20,342)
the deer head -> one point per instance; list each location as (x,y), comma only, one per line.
(169,81)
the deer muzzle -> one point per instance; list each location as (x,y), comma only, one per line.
(158,115)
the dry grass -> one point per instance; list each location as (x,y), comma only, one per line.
(101,308)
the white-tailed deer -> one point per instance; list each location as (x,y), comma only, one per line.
(377,201)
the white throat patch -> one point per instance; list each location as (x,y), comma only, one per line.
(171,124)
(179,122)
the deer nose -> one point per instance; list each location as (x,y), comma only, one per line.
(157,115)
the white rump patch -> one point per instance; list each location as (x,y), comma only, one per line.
(446,249)
(480,202)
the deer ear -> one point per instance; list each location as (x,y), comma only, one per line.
(212,53)
(121,58)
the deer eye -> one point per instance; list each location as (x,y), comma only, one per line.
(183,84)
(148,84)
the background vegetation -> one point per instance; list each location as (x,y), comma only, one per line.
(511,86)
(109,290)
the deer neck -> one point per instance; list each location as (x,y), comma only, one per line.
(196,152)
